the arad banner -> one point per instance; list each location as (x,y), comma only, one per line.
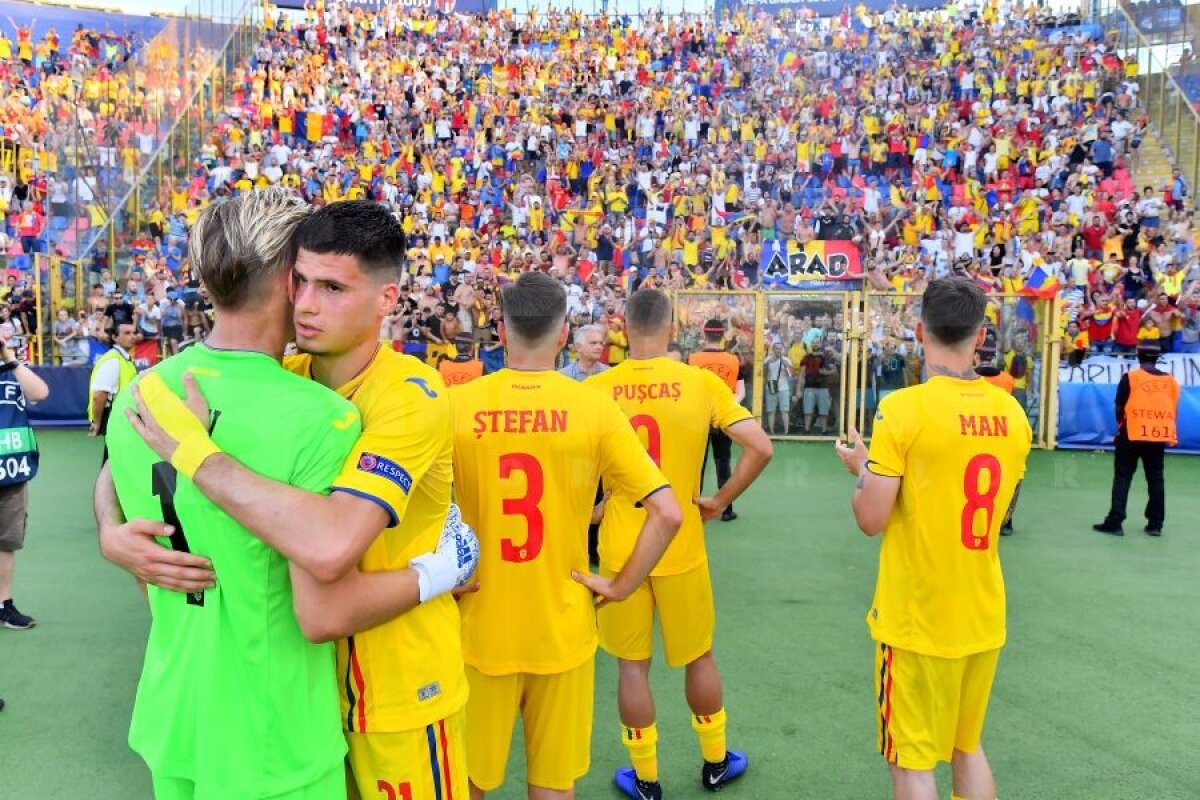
(813,265)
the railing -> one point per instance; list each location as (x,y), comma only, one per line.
(108,154)
(185,71)
(864,347)
(1153,56)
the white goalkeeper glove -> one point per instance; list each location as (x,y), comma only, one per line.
(451,565)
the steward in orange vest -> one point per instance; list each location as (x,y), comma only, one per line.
(726,366)
(462,368)
(1147,406)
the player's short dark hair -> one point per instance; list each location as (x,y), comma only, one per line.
(648,311)
(952,309)
(362,229)
(534,307)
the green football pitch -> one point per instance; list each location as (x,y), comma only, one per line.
(1096,696)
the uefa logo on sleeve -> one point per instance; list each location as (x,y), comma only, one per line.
(367,463)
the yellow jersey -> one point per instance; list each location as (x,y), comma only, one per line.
(959,448)
(672,407)
(530,448)
(406,673)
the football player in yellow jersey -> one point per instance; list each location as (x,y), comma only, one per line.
(365,549)
(941,477)
(530,447)
(672,406)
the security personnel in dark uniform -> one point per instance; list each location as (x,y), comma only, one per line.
(726,366)
(1147,405)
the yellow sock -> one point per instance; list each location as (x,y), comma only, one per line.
(711,730)
(642,744)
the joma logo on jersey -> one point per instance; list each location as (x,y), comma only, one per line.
(385,468)
(982,425)
(423,385)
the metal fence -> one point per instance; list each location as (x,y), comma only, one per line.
(816,364)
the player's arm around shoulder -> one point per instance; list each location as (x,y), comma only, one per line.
(289,511)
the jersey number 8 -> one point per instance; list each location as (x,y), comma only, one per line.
(979,499)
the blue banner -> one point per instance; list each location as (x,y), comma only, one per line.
(66,407)
(1087,398)
(822,8)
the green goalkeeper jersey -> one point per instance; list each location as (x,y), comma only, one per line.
(232,696)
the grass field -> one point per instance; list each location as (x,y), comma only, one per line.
(1095,699)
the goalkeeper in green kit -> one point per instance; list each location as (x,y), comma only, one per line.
(234,703)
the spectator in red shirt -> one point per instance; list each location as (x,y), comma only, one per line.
(1099,321)
(1094,234)
(1128,321)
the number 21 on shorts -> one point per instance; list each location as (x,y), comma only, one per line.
(399,791)
(981,484)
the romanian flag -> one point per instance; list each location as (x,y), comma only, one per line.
(1040,283)
(788,60)
(313,125)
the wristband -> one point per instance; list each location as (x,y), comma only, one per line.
(187,458)
(437,574)
(178,422)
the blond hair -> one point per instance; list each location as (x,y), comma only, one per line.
(238,245)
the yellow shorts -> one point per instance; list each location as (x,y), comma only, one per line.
(557,714)
(685,614)
(928,706)
(428,762)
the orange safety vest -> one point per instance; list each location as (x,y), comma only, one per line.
(720,363)
(1150,411)
(1002,380)
(456,373)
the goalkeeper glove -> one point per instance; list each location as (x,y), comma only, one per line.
(451,565)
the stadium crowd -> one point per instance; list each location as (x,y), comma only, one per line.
(614,153)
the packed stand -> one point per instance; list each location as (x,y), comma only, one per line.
(671,152)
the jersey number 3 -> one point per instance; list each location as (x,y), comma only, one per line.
(524,506)
(980,498)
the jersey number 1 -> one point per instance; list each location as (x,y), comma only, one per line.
(979,499)
(163,478)
(524,506)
